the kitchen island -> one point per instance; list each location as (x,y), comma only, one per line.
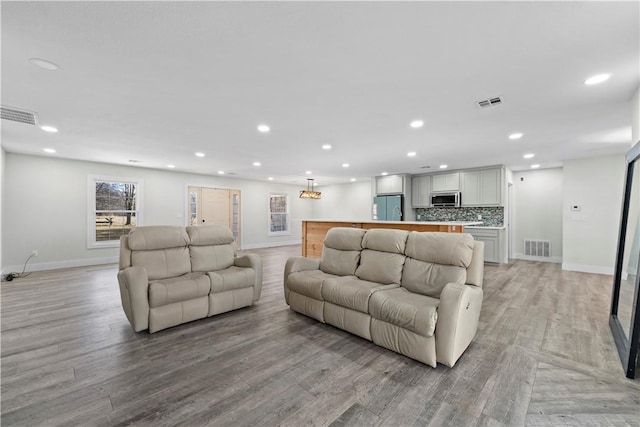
(313,231)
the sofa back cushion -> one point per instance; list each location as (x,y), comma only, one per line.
(212,247)
(441,248)
(382,258)
(341,251)
(157,237)
(161,250)
(435,259)
(428,278)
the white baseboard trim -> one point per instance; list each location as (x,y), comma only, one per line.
(554,259)
(56,265)
(272,245)
(597,269)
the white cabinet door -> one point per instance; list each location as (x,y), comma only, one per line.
(392,184)
(491,240)
(491,187)
(446,182)
(470,188)
(420,189)
(481,188)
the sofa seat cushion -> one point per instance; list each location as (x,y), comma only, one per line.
(182,288)
(231,278)
(308,283)
(350,292)
(414,312)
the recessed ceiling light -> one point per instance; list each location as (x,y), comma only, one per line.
(264,128)
(516,135)
(417,124)
(256,163)
(353,180)
(326,147)
(43,63)
(444,166)
(199,154)
(384,173)
(270,178)
(536,166)
(345,165)
(49,129)
(308,172)
(220,172)
(411,154)
(171,166)
(528,156)
(594,80)
(49,150)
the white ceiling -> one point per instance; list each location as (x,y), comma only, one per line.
(158,81)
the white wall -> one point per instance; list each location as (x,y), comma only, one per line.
(45,208)
(591,235)
(537,210)
(635,117)
(347,202)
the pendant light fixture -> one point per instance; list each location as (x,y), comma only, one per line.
(309,193)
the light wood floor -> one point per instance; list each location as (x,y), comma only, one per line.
(543,356)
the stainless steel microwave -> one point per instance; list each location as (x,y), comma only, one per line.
(449,199)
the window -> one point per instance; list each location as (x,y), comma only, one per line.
(279,214)
(114,210)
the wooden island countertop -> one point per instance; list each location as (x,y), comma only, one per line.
(313,231)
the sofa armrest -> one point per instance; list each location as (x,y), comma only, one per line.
(298,263)
(458,315)
(134,294)
(252,261)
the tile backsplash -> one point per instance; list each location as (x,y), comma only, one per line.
(491,216)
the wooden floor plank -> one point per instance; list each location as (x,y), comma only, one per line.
(543,356)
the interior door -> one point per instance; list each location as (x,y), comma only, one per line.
(216,207)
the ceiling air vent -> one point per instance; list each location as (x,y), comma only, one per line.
(491,102)
(16,115)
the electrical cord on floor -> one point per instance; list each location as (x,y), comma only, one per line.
(9,277)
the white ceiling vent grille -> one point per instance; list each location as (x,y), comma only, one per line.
(540,248)
(16,115)
(491,102)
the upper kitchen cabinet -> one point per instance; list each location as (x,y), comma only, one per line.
(390,184)
(446,182)
(420,189)
(482,187)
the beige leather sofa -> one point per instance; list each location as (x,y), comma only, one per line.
(172,275)
(416,293)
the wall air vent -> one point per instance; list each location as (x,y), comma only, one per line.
(17,115)
(491,102)
(540,248)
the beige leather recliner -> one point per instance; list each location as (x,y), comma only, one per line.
(416,293)
(172,275)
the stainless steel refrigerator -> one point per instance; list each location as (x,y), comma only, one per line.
(387,208)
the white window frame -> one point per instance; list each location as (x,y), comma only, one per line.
(91,207)
(286,232)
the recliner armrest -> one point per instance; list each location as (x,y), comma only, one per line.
(134,285)
(458,315)
(252,261)
(298,263)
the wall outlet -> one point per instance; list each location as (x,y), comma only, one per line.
(34,252)
(479,217)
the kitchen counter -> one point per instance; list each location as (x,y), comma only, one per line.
(458,223)
(314,231)
(487,227)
